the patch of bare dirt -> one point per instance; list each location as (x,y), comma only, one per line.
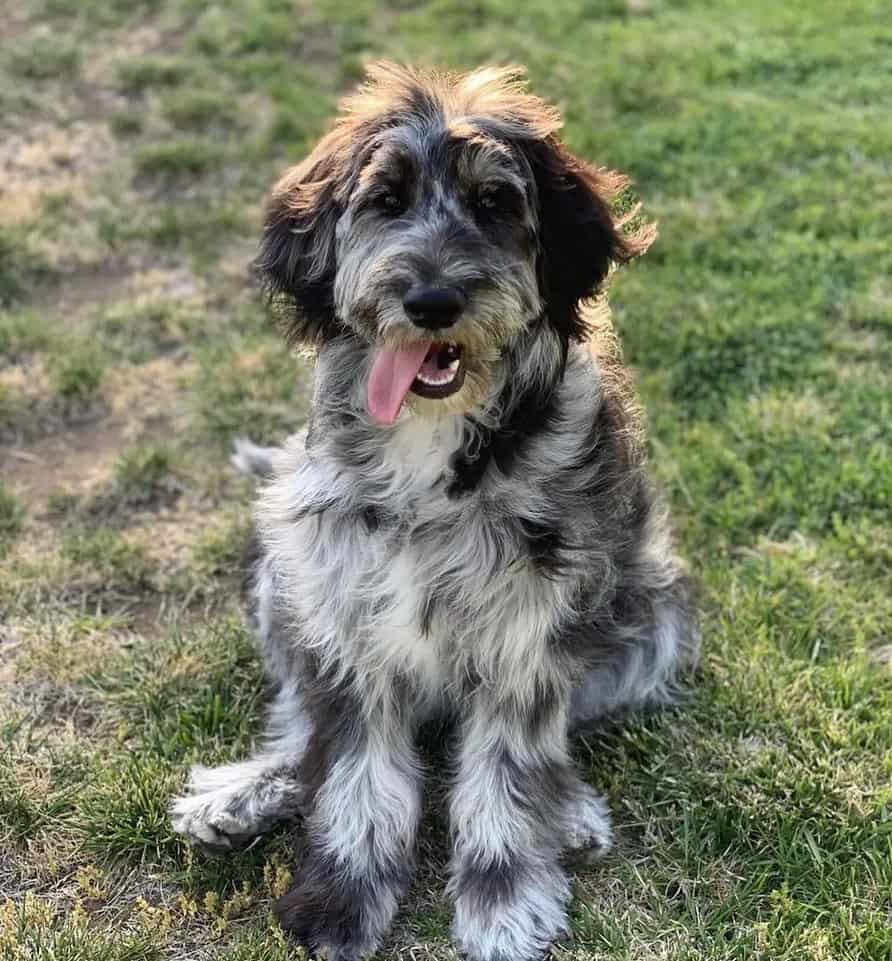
(13,22)
(81,458)
(92,285)
(48,704)
(73,462)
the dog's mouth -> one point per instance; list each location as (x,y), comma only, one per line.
(441,374)
(433,369)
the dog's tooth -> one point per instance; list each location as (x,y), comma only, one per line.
(438,381)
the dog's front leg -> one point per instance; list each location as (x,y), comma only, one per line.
(515,794)
(364,790)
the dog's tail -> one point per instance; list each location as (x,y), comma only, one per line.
(253,460)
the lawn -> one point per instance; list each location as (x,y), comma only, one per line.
(137,140)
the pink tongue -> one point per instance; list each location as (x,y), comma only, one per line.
(392,374)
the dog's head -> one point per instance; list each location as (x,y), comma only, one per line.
(441,220)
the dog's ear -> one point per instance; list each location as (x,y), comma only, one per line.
(580,238)
(296,261)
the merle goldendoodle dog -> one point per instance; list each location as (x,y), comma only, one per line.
(466,528)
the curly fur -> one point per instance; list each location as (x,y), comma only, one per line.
(498,557)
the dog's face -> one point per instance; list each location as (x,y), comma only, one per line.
(436,245)
(438,222)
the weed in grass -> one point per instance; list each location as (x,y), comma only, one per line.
(145,476)
(20,265)
(35,930)
(177,159)
(198,110)
(194,693)
(20,811)
(138,330)
(46,57)
(219,550)
(192,225)
(37,786)
(107,556)
(13,407)
(12,517)
(143,468)
(23,332)
(126,123)
(77,371)
(432,924)
(136,74)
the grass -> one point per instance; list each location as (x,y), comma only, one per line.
(77,370)
(12,516)
(139,74)
(754,823)
(46,57)
(182,158)
(199,110)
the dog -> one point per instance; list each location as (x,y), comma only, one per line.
(466,528)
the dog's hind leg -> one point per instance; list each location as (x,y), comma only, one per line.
(232,804)
(646,639)
(641,672)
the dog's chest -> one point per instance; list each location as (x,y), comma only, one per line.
(423,585)
(443,599)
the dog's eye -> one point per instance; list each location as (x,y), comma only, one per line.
(391,203)
(498,202)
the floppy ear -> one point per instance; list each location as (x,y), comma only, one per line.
(296,261)
(580,238)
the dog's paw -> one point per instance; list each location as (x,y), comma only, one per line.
(514,919)
(589,832)
(217,813)
(332,921)
(202,820)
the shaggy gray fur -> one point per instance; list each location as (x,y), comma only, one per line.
(498,557)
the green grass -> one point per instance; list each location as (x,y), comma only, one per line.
(247,377)
(755,824)
(138,74)
(143,469)
(78,368)
(126,123)
(199,110)
(177,159)
(45,58)
(20,266)
(104,555)
(23,332)
(12,516)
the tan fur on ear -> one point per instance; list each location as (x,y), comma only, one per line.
(610,184)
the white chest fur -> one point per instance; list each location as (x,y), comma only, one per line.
(433,592)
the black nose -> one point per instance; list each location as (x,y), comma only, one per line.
(433,307)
